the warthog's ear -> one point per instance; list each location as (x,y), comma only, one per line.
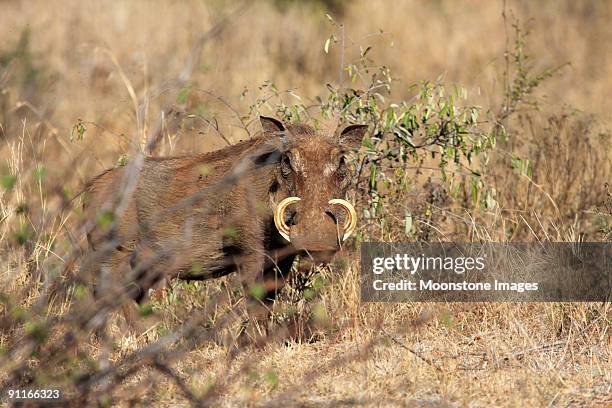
(352,135)
(271,125)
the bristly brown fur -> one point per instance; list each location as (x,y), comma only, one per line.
(206,215)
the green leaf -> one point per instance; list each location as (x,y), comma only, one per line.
(271,378)
(320,314)
(474,191)
(123,160)
(22,209)
(145,310)
(8,181)
(39,173)
(105,218)
(309,294)
(38,330)
(22,234)
(446,318)
(78,131)
(183,94)
(258,291)
(80,291)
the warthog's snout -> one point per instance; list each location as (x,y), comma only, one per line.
(316,227)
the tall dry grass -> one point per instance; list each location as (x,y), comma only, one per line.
(83,83)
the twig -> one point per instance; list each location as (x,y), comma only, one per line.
(536,349)
(418,355)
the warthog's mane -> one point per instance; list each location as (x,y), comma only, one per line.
(261,142)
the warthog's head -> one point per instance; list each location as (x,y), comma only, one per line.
(312,178)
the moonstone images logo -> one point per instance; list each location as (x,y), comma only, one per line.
(486,272)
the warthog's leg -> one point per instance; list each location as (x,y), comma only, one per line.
(261,290)
(303,325)
(300,326)
(108,291)
(148,267)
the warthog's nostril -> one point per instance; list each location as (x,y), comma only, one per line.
(332,216)
(291,218)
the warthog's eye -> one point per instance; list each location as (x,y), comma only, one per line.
(285,166)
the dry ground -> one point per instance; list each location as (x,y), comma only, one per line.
(480,354)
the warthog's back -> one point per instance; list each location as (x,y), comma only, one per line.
(190,207)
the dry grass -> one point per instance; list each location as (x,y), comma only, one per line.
(79,61)
(410,355)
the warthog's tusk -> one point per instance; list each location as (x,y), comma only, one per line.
(351,221)
(279,216)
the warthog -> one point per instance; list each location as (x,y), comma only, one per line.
(250,207)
